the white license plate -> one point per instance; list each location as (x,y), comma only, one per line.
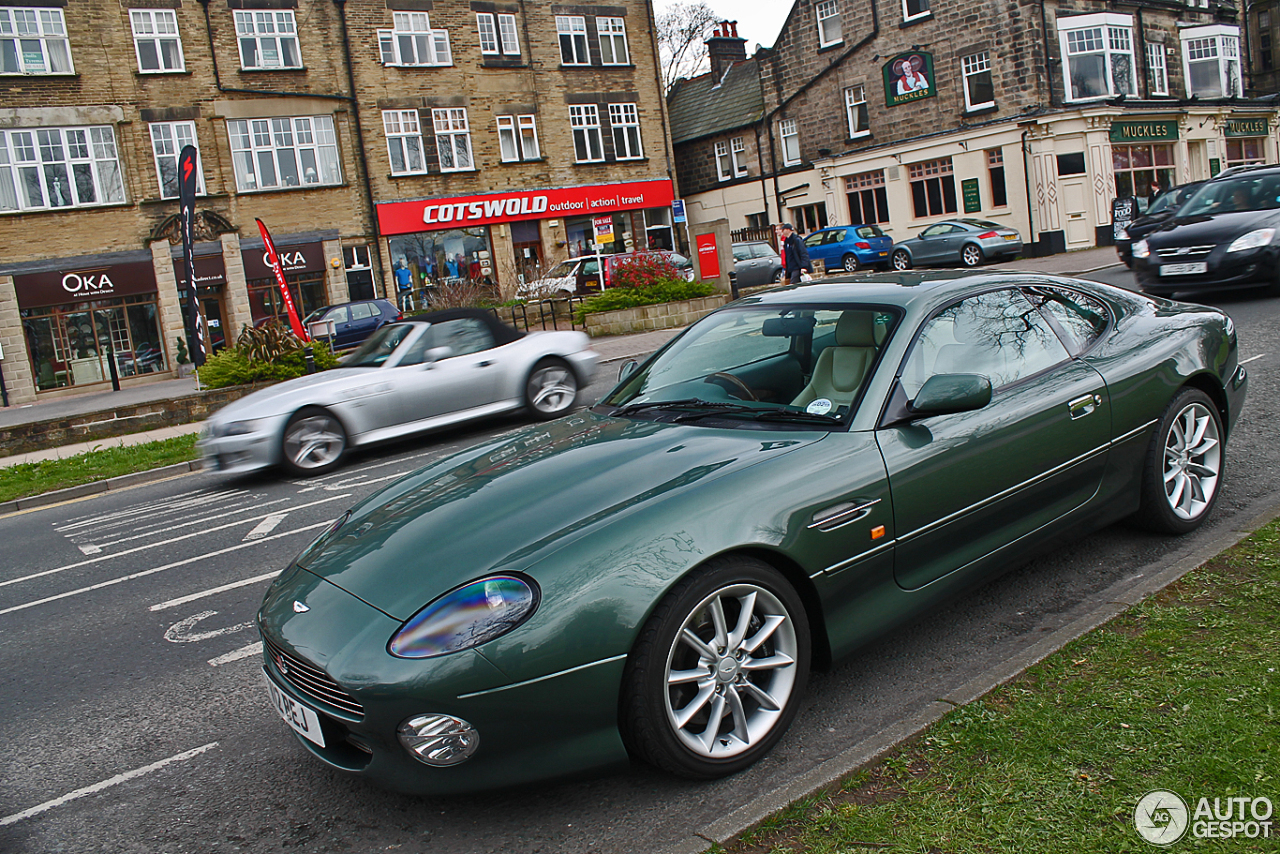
(1184,269)
(304,721)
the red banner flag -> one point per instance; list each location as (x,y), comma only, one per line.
(274,260)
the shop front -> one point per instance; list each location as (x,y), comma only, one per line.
(1245,139)
(304,272)
(211,286)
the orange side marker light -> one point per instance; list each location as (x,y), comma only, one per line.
(877,532)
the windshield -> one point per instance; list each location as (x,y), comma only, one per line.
(315,315)
(758,365)
(1170,199)
(562,270)
(378,347)
(1245,193)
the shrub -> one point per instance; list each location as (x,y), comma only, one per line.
(268,353)
(643,270)
(665,291)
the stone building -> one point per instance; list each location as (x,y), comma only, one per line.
(392,147)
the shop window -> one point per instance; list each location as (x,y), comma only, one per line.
(1246,152)
(914,9)
(404,142)
(518,138)
(1211,57)
(572,31)
(278,153)
(34,41)
(413,42)
(431,259)
(979,91)
(268,39)
(266,302)
(1098,52)
(588,145)
(156,41)
(624,122)
(1157,69)
(790,142)
(933,188)
(724,167)
(868,200)
(453,139)
(167,141)
(59,168)
(1142,171)
(497,34)
(613,41)
(74,344)
(855,108)
(828,23)
(995,177)
(738,150)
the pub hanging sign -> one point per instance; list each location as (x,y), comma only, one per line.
(908,77)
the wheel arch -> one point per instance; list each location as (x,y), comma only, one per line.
(1207,383)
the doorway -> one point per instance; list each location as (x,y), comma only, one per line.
(215,330)
(527,244)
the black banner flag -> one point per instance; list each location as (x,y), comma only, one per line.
(187,203)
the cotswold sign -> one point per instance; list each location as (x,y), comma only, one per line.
(465,211)
(1124,131)
(1246,127)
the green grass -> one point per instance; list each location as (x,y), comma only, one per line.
(1179,693)
(25,479)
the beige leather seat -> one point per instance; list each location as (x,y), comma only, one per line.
(841,368)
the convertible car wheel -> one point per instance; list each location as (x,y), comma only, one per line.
(850,263)
(313,443)
(718,671)
(551,390)
(1184,465)
(901,260)
(971,256)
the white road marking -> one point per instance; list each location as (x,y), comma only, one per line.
(180,632)
(242,652)
(1252,358)
(90,518)
(266,526)
(113,581)
(177,504)
(105,784)
(200,519)
(182,600)
(90,549)
(157,544)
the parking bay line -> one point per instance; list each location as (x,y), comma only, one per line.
(105,784)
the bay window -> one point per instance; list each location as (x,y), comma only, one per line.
(284,152)
(1211,57)
(44,168)
(1098,55)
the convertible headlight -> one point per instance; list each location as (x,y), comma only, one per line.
(243,428)
(467,616)
(1141,249)
(1252,240)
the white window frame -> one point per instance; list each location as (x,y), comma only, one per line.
(972,66)
(612,33)
(571,30)
(497,34)
(1158,69)
(23,31)
(309,141)
(738,150)
(921,11)
(790,142)
(488,29)
(624,124)
(855,97)
(156,27)
(167,141)
(518,138)
(274,28)
(1104,34)
(508,35)
(412,43)
(829,29)
(1219,43)
(453,135)
(584,121)
(724,166)
(57,162)
(403,129)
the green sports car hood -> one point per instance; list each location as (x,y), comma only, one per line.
(507,504)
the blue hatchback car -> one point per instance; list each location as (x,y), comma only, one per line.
(850,247)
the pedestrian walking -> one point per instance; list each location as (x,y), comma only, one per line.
(795,257)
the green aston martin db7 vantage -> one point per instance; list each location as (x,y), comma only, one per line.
(790,477)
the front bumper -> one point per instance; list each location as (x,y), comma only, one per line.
(244,452)
(1224,271)
(584,364)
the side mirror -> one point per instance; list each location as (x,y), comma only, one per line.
(435,354)
(628,368)
(947,393)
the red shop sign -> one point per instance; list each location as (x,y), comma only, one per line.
(463,211)
(708,256)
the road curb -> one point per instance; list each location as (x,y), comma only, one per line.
(1112,602)
(98,486)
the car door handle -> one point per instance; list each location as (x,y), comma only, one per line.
(1082,406)
(839,515)
(486,363)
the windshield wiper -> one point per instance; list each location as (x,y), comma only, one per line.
(709,407)
(683,403)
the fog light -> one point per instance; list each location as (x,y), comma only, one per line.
(439,740)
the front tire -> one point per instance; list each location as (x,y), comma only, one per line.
(314,442)
(718,671)
(970,255)
(901,260)
(551,389)
(850,263)
(1183,470)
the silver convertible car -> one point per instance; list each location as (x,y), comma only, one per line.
(426,373)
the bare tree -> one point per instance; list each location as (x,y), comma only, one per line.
(682,34)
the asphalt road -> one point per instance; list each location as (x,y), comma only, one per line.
(134,718)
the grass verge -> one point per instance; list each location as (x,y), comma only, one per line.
(26,479)
(1180,693)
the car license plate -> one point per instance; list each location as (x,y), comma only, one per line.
(884,254)
(1010,237)
(1184,269)
(304,721)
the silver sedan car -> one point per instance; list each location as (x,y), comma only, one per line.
(958,241)
(432,371)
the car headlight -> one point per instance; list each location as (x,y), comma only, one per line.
(243,428)
(1141,249)
(466,617)
(1252,240)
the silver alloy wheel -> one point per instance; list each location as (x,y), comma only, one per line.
(901,260)
(552,389)
(731,671)
(971,255)
(314,441)
(1192,461)
(850,263)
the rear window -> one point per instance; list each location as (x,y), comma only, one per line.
(870,231)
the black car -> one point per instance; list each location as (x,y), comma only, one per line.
(1223,237)
(1165,206)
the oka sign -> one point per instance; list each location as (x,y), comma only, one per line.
(90,283)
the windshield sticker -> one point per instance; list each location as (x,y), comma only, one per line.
(821,406)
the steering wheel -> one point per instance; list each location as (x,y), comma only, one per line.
(735,384)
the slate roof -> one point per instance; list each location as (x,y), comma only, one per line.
(699,108)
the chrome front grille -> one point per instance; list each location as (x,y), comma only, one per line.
(1184,253)
(310,680)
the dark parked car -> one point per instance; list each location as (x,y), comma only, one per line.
(755,262)
(958,241)
(354,321)
(849,247)
(1223,237)
(1165,206)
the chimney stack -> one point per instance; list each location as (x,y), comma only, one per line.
(724,48)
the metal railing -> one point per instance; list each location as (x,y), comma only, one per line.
(546,314)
